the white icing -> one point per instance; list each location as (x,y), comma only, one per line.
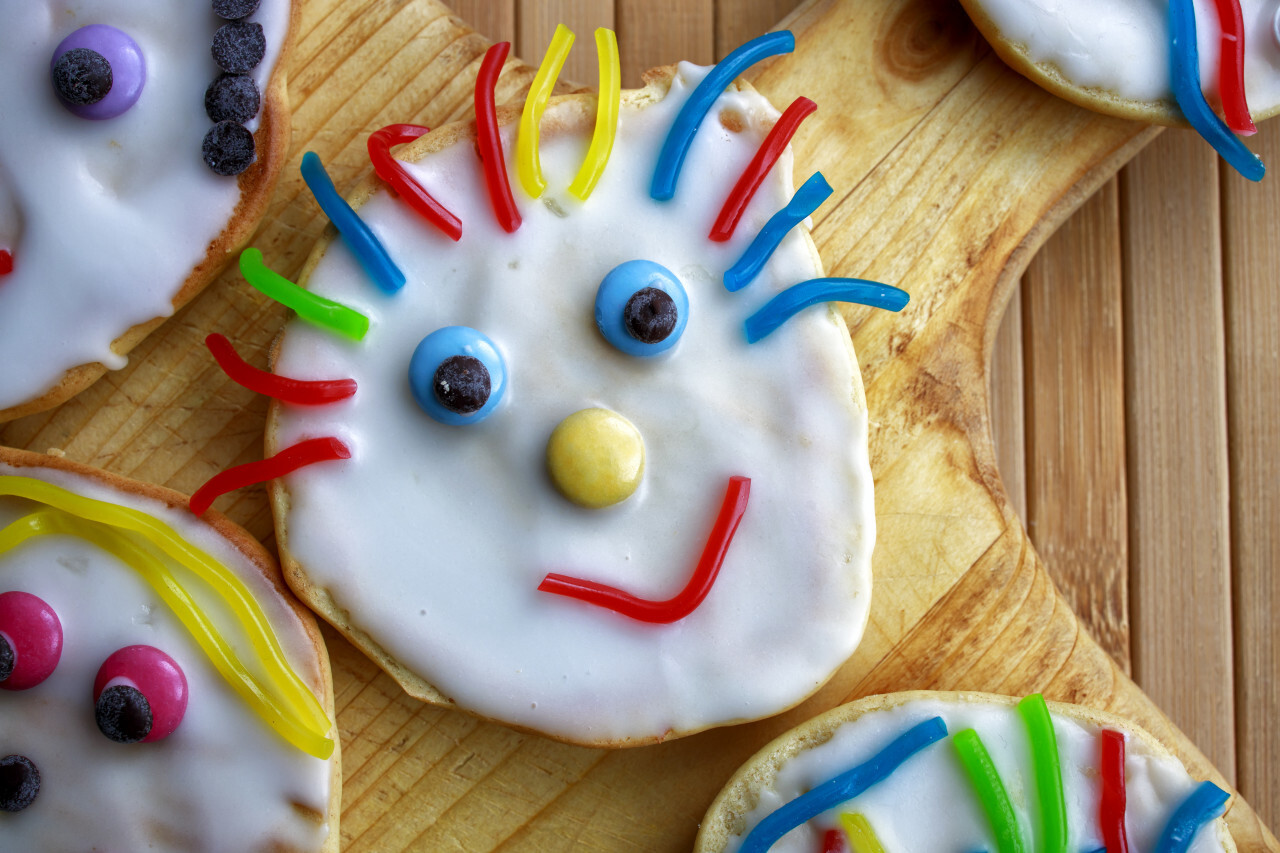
(105,219)
(222,781)
(435,538)
(1122,47)
(933,784)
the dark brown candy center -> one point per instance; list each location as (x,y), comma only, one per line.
(650,315)
(82,76)
(123,714)
(6,659)
(19,783)
(461,383)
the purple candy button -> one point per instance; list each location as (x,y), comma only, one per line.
(128,69)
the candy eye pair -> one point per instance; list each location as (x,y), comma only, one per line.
(458,375)
(139,694)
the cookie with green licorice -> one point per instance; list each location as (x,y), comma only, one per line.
(898,771)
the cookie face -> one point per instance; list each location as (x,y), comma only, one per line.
(429,546)
(203,770)
(1114,56)
(1054,776)
(109,214)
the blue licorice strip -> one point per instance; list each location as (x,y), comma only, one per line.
(844,787)
(685,127)
(1099,850)
(1204,804)
(1184,65)
(796,298)
(808,198)
(371,254)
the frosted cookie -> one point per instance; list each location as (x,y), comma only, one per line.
(925,771)
(1163,63)
(140,144)
(563,489)
(160,688)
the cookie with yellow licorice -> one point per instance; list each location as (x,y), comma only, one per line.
(160,687)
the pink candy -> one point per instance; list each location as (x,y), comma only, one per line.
(33,634)
(151,673)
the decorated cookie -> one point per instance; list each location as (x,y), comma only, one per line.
(160,689)
(1173,63)
(139,146)
(573,444)
(929,771)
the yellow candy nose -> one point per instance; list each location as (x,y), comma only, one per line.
(596,457)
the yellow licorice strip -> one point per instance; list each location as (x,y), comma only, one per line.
(862,838)
(528,163)
(153,571)
(606,116)
(230,588)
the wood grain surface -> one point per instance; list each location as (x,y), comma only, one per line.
(1135,395)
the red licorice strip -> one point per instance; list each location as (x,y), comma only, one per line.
(393,172)
(766,155)
(833,841)
(1231,71)
(688,599)
(298,391)
(6,262)
(286,461)
(489,144)
(1111,808)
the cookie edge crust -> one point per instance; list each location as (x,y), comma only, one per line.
(320,680)
(257,185)
(657,85)
(1164,112)
(726,816)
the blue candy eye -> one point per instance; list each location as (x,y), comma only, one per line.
(641,308)
(457,375)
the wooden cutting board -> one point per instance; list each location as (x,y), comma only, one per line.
(949,173)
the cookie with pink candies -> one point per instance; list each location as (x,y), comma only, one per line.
(140,144)
(160,688)
(929,770)
(567,434)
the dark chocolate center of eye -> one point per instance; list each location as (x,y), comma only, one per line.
(19,783)
(6,659)
(123,714)
(233,9)
(461,383)
(82,76)
(650,315)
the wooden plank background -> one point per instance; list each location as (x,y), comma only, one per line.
(1135,392)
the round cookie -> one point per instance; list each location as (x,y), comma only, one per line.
(428,547)
(224,778)
(1113,55)
(110,217)
(923,797)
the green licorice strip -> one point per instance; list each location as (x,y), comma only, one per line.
(990,790)
(322,312)
(1048,773)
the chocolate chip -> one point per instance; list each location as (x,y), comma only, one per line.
(19,783)
(461,383)
(228,148)
(232,97)
(82,76)
(650,315)
(239,46)
(123,714)
(6,659)
(233,9)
